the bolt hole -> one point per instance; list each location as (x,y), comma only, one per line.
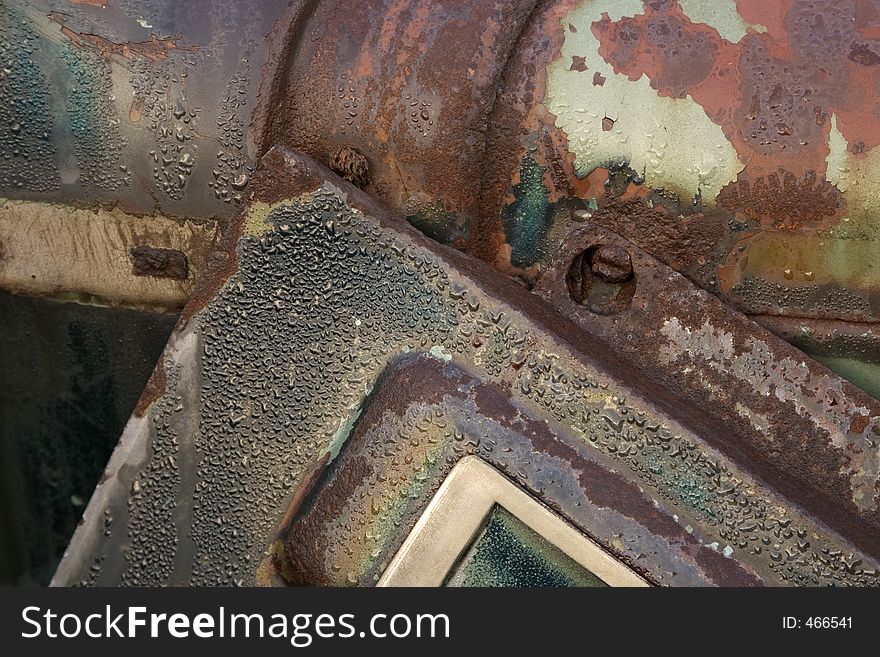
(601,279)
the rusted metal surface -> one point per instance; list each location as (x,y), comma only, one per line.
(746,122)
(850,349)
(409,85)
(587,148)
(793,419)
(424,418)
(271,373)
(750,125)
(161,263)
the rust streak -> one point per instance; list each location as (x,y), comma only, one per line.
(154,50)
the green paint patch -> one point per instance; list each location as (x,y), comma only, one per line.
(816,260)
(508,553)
(439,224)
(527,220)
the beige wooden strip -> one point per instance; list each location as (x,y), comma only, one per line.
(79,254)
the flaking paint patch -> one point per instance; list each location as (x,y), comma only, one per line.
(438,352)
(857,177)
(699,162)
(346,424)
(814,396)
(255,221)
(342,433)
(722,15)
(758,420)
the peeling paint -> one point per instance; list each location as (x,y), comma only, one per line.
(438,352)
(670,141)
(722,15)
(858,177)
(86,254)
(816,397)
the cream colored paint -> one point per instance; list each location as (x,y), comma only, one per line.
(720,14)
(672,142)
(78,254)
(858,178)
(255,220)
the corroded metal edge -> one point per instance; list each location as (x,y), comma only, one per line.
(800,427)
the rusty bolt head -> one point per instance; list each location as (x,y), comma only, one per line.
(612,264)
(350,165)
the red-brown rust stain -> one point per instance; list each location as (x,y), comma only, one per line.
(284,36)
(308,534)
(159,262)
(136,111)
(859,423)
(595,183)
(220,266)
(772,94)
(578,63)
(154,50)
(308,484)
(154,389)
(731,270)
(781,201)
(407,84)
(681,242)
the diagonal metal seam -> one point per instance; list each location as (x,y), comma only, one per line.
(793,422)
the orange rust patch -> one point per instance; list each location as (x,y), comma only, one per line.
(859,423)
(781,201)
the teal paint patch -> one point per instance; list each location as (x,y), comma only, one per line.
(93,122)
(508,553)
(439,224)
(28,154)
(527,220)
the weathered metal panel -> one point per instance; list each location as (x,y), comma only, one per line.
(320,293)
